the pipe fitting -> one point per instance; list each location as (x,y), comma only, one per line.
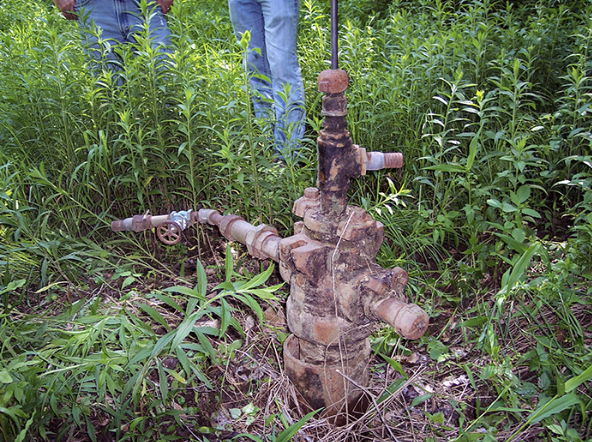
(262,241)
(310,200)
(408,320)
(333,81)
(379,160)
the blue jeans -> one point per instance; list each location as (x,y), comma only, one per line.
(274,70)
(118,21)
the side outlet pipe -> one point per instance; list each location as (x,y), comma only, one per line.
(168,227)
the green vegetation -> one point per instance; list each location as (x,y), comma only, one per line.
(109,336)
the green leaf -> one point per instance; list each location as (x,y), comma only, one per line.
(206,344)
(185,328)
(508,208)
(437,418)
(395,365)
(23,434)
(398,383)
(228,264)
(517,246)
(161,344)
(257,280)
(554,406)
(518,235)
(163,382)
(128,281)
(153,313)
(185,291)
(521,266)
(202,279)
(531,212)
(523,194)
(288,433)
(267,293)
(14,413)
(184,361)
(421,399)
(494,203)
(474,322)
(244,41)
(451,168)
(5,377)
(168,301)
(225,316)
(253,304)
(573,383)
(13,285)
(473,148)
(560,385)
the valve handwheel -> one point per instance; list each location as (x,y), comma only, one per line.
(169,232)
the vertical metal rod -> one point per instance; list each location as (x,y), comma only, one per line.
(334,42)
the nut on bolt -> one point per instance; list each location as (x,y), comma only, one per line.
(308,201)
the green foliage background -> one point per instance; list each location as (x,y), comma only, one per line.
(492,213)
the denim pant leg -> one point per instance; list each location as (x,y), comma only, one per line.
(281,26)
(246,15)
(106,23)
(273,26)
(158,30)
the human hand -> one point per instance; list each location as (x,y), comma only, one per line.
(67,8)
(165,5)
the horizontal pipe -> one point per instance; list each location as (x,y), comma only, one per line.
(262,241)
(409,320)
(379,160)
(138,223)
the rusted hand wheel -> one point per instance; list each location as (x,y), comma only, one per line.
(169,232)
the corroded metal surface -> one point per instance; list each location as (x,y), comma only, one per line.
(327,385)
(333,81)
(337,291)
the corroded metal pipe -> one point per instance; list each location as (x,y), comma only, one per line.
(262,241)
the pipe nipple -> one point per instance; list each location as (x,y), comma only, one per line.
(393,160)
(409,320)
(311,193)
(118,226)
(380,160)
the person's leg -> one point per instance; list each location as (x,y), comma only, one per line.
(132,21)
(246,15)
(107,23)
(281,26)
(100,32)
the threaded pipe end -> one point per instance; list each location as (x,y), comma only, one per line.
(393,160)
